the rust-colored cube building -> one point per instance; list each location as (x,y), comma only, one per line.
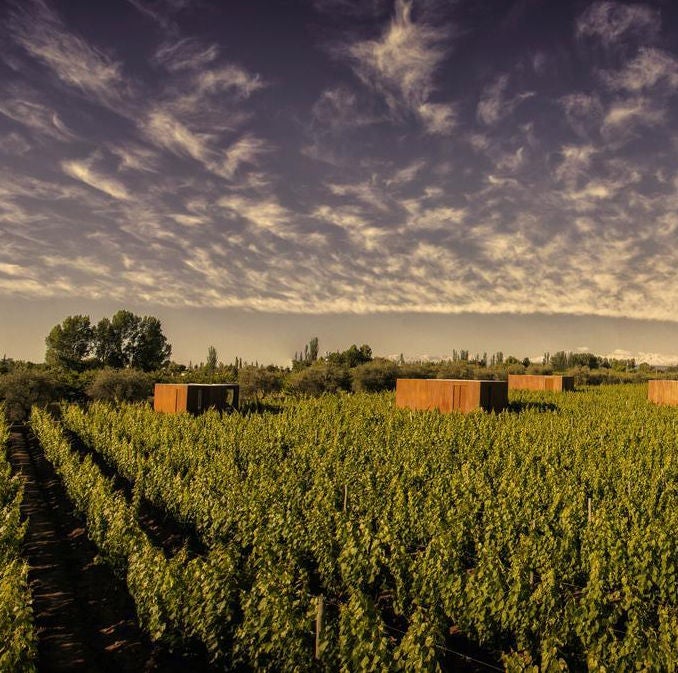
(195,398)
(663,391)
(556,384)
(448,395)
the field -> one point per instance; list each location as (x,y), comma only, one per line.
(344,534)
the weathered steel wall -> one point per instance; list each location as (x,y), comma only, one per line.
(170,398)
(173,398)
(539,382)
(448,395)
(663,391)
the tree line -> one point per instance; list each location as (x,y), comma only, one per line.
(119,358)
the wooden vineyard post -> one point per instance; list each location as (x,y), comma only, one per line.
(589,509)
(319,625)
(345,497)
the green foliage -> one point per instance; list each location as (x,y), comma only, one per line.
(69,343)
(257,382)
(23,388)
(375,376)
(321,377)
(133,341)
(351,357)
(120,385)
(17,637)
(547,535)
(211,363)
(125,340)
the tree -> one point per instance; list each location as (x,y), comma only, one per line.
(313,349)
(308,357)
(211,363)
(351,357)
(558,361)
(129,340)
(69,343)
(107,347)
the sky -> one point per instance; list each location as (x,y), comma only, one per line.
(417,175)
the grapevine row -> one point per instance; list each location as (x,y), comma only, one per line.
(547,534)
(17,636)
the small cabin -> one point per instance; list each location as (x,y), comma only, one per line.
(558,384)
(195,398)
(448,395)
(663,391)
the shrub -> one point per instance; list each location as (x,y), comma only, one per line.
(321,377)
(23,388)
(120,385)
(256,382)
(375,376)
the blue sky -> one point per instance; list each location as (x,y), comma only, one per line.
(345,163)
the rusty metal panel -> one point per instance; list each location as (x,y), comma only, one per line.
(539,382)
(448,395)
(165,398)
(663,391)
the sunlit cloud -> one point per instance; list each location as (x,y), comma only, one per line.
(401,66)
(650,68)
(631,112)
(40,31)
(612,21)
(36,117)
(83,171)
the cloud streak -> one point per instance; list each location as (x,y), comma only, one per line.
(401,66)
(40,31)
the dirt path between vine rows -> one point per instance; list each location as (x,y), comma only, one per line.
(84,617)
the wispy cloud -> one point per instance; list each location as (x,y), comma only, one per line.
(230,78)
(36,117)
(165,131)
(401,66)
(576,161)
(40,31)
(185,54)
(650,68)
(337,108)
(264,214)
(14,144)
(612,21)
(83,171)
(134,157)
(162,11)
(625,114)
(494,104)
(245,150)
(583,112)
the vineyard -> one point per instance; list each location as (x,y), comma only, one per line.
(17,639)
(344,534)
